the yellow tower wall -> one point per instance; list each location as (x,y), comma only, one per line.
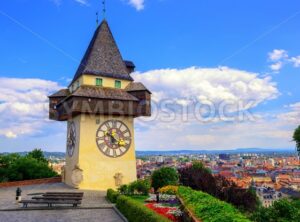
(91,81)
(98,170)
(107,82)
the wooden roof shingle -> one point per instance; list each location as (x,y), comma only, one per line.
(136,86)
(60,93)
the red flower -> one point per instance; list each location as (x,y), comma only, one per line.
(164,211)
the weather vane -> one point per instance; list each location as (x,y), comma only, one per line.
(104,8)
(97,18)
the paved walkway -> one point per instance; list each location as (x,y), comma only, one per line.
(80,215)
(102,210)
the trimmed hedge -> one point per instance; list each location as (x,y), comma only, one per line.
(112,195)
(208,208)
(137,212)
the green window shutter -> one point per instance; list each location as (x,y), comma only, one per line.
(98,82)
(118,84)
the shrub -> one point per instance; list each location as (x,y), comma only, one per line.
(140,187)
(163,177)
(112,195)
(209,209)
(123,189)
(137,212)
(228,191)
(170,190)
(200,178)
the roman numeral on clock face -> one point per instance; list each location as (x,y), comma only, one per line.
(107,124)
(114,124)
(125,131)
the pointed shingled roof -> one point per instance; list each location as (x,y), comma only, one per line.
(103,58)
(136,86)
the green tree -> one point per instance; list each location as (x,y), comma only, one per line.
(140,187)
(38,155)
(5,162)
(27,168)
(163,177)
(198,165)
(296,138)
(198,177)
(14,167)
(283,210)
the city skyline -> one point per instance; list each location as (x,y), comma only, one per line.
(188,55)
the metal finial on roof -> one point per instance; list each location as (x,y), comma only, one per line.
(97,19)
(104,8)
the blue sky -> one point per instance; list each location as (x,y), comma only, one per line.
(42,42)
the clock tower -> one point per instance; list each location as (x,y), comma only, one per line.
(99,107)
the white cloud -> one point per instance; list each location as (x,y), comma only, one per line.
(216,85)
(267,131)
(10,134)
(208,84)
(137,4)
(59,2)
(291,116)
(296,61)
(276,66)
(24,105)
(280,58)
(83,2)
(278,54)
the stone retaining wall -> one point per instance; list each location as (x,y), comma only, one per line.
(31,182)
(190,217)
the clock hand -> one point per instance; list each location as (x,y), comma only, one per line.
(121,142)
(112,137)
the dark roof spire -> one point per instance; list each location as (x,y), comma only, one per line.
(103,58)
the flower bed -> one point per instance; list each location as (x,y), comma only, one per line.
(135,211)
(168,206)
(172,213)
(132,206)
(163,198)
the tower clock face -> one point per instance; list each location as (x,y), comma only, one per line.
(71,140)
(113,138)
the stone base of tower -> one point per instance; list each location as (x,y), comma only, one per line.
(88,168)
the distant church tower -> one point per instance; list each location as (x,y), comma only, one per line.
(99,106)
